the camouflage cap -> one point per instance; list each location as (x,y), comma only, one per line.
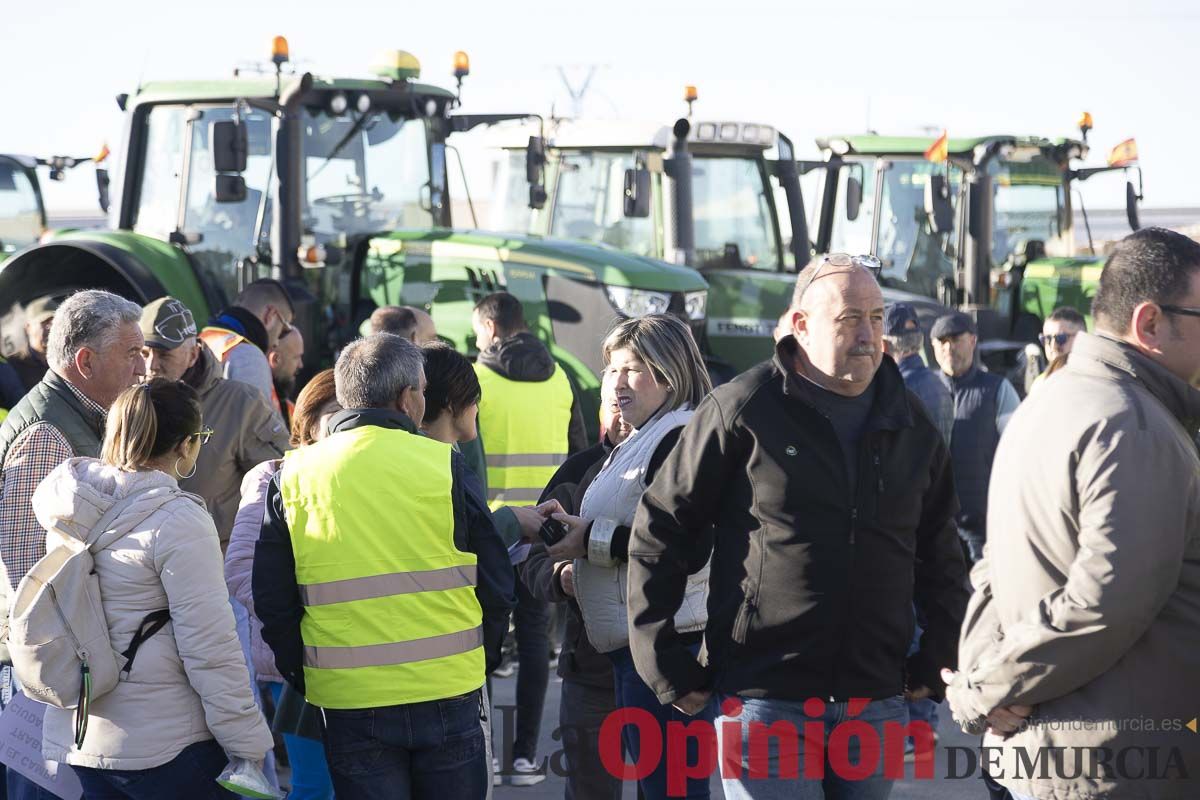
(167,323)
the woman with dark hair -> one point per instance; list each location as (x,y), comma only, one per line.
(452,395)
(316,403)
(183,708)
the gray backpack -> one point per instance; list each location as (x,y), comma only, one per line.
(57,632)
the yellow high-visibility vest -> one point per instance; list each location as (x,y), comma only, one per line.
(524,427)
(390,612)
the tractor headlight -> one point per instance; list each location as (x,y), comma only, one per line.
(638,302)
(695,304)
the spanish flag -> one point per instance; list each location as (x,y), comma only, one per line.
(1123,154)
(103,154)
(939,151)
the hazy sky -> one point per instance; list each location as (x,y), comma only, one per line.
(899,66)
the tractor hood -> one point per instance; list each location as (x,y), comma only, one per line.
(582,260)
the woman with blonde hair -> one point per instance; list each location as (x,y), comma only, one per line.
(316,403)
(656,375)
(183,706)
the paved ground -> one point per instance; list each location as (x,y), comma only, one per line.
(940,788)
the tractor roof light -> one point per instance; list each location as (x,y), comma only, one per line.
(397,65)
(690,94)
(363,103)
(840,147)
(279,51)
(462,64)
(338,104)
(706,132)
(729,132)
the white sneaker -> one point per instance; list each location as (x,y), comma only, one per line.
(526,773)
(495,772)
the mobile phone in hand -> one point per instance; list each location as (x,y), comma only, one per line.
(552,531)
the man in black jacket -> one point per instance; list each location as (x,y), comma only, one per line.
(822,492)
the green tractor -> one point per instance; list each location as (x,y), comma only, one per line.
(988,228)
(719,196)
(22,211)
(338,188)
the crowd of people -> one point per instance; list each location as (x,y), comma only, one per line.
(341,569)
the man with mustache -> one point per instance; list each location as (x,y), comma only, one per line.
(820,491)
(983,404)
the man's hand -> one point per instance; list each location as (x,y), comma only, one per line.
(573,545)
(693,703)
(1004,720)
(531,517)
(566,579)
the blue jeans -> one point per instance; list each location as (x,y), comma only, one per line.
(531,621)
(191,775)
(797,786)
(310,773)
(926,710)
(435,749)
(632,692)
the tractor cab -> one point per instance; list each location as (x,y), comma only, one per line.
(22,213)
(720,196)
(986,224)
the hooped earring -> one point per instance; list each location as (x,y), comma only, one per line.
(183,477)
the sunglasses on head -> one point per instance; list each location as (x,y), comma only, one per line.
(1059,339)
(204,435)
(869,263)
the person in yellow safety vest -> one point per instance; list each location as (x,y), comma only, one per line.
(383,586)
(242,335)
(529,419)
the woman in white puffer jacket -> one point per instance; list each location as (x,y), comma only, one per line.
(184,708)
(656,374)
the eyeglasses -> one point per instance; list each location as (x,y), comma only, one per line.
(869,263)
(1059,339)
(204,435)
(1182,310)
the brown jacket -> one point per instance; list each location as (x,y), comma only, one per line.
(246,432)
(1087,603)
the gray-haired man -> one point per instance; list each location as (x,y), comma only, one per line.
(94,352)
(382,584)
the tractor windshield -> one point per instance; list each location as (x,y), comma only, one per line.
(20,214)
(365,173)
(734,224)
(590,202)
(915,258)
(1027,205)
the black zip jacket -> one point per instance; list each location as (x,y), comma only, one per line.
(277,595)
(812,584)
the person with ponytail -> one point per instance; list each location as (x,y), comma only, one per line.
(183,707)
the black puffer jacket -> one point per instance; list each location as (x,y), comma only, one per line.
(812,584)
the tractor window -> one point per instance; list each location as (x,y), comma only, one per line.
(226,230)
(510,206)
(365,173)
(20,214)
(1027,204)
(734,227)
(162,167)
(915,258)
(590,203)
(852,226)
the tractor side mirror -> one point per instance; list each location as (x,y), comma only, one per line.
(637,190)
(102,182)
(854,194)
(229,146)
(229,188)
(937,204)
(535,170)
(1131,206)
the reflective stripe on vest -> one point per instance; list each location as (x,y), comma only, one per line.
(524,427)
(390,612)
